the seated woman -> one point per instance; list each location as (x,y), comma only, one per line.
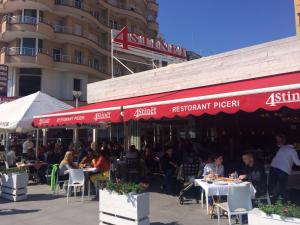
(65,165)
(212,170)
(102,164)
(87,161)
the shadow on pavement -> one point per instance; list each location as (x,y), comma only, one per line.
(42,197)
(172,223)
(5,212)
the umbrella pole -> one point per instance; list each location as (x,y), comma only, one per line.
(37,143)
(6,142)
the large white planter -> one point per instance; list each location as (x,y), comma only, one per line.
(131,209)
(257,217)
(14,186)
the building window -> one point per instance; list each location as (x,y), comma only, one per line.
(78,57)
(77,85)
(29,81)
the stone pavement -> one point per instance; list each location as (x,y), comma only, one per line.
(43,208)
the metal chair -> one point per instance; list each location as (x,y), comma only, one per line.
(189,171)
(76,179)
(238,202)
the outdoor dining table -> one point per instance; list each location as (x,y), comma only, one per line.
(218,189)
(35,165)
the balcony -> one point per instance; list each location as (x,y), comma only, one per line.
(152,5)
(69,34)
(14,5)
(67,62)
(18,26)
(26,57)
(123,9)
(73,7)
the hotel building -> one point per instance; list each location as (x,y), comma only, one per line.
(57,46)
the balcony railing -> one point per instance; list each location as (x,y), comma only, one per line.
(78,60)
(24,51)
(78,32)
(118,4)
(80,5)
(18,19)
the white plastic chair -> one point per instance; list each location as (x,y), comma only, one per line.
(238,202)
(76,179)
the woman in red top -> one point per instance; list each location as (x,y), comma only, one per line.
(103,162)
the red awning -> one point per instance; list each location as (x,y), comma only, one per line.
(92,114)
(269,93)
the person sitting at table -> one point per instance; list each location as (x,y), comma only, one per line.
(102,164)
(65,165)
(150,160)
(254,172)
(87,161)
(212,170)
(11,157)
(132,153)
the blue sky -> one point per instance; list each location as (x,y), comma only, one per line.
(213,26)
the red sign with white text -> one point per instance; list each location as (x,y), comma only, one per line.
(249,103)
(80,118)
(142,42)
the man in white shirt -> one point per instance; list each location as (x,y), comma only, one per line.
(11,157)
(281,166)
(26,146)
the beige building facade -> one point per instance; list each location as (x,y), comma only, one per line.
(58,46)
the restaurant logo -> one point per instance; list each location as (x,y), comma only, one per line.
(145,112)
(142,42)
(283,97)
(44,121)
(102,116)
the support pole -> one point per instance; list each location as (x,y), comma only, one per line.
(45,136)
(6,142)
(95,135)
(112,53)
(37,143)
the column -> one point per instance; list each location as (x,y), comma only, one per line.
(95,134)
(45,131)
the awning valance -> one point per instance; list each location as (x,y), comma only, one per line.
(269,93)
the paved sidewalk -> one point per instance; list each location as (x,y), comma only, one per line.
(43,208)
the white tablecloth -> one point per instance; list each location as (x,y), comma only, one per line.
(219,190)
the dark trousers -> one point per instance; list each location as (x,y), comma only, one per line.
(278,178)
(169,182)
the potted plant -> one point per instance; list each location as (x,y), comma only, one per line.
(276,214)
(124,203)
(14,184)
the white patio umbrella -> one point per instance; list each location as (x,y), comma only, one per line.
(17,116)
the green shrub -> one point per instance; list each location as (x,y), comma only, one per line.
(283,210)
(13,170)
(125,188)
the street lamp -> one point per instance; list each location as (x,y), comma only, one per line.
(77,95)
